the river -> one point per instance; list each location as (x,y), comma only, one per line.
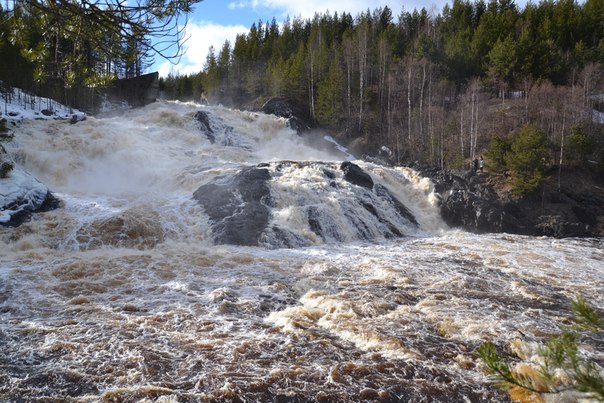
(123,295)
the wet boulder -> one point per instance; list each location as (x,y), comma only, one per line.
(400,208)
(75,118)
(259,205)
(21,195)
(237,206)
(204,125)
(355,175)
(219,132)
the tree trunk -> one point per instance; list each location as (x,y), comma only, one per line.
(421,100)
(561,152)
(430,122)
(476,120)
(461,131)
(388,113)
(362,72)
(409,104)
(311,87)
(472,144)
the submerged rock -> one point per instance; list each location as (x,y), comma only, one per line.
(140,229)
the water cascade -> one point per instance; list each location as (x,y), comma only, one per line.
(207,254)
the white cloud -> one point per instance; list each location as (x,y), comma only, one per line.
(237,5)
(308,8)
(201,36)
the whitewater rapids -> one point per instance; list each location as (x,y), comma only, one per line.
(122,294)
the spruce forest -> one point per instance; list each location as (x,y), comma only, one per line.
(432,86)
(437,86)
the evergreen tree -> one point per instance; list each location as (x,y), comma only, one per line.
(212,74)
(527,159)
(415,83)
(503,63)
(496,153)
(330,106)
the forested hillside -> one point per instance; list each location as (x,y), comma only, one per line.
(431,85)
(437,86)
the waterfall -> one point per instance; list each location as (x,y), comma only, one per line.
(256,181)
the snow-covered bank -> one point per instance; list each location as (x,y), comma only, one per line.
(21,194)
(17,105)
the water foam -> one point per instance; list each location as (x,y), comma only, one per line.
(183,319)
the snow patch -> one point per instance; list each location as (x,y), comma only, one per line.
(341,148)
(17,105)
(19,192)
(598,117)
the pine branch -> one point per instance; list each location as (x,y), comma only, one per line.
(560,353)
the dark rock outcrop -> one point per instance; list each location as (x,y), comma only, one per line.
(344,205)
(237,206)
(355,175)
(468,201)
(204,125)
(284,109)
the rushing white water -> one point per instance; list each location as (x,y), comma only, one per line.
(122,295)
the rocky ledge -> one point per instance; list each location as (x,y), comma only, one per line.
(346,204)
(477,203)
(295,117)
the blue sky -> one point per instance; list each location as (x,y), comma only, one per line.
(214,21)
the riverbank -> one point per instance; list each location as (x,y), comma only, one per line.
(567,205)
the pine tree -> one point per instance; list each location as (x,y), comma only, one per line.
(528,158)
(330,106)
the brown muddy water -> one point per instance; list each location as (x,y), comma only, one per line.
(121,295)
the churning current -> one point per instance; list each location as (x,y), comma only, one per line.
(239,264)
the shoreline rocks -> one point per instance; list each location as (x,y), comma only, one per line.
(470,202)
